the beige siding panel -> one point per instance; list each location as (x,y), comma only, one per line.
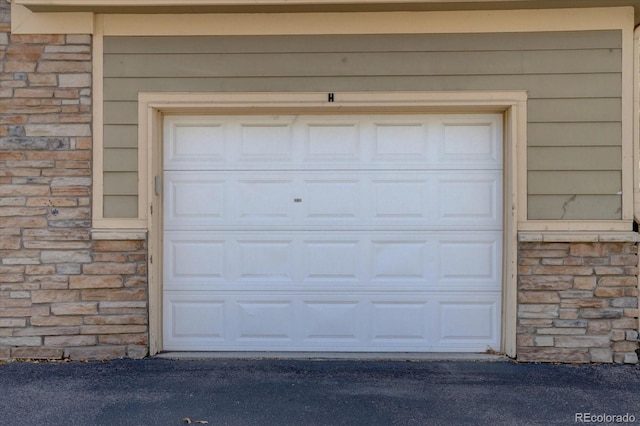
(574,134)
(574,182)
(574,207)
(332,64)
(573,80)
(120,136)
(125,183)
(120,206)
(366,43)
(120,160)
(574,110)
(121,113)
(549,86)
(574,158)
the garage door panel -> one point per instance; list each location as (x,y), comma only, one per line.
(329,321)
(399,261)
(347,322)
(463,260)
(333,233)
(265,259)
(265,320)
(470,198)
(327,261)
(330,142)
(191,259)
(196,198)
(400,142)
(333,260)
(471,141)
(264,200)
(194,317)
(265,142)
(467,321)
(195,142)
(398,200)
(308,199)
(334,200)
(399,321)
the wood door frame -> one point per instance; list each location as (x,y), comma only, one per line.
(512,104)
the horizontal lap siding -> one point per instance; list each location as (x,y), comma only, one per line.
(573,80)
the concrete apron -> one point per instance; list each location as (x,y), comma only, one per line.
(328,356)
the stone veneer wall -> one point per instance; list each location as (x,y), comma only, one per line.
(578,302)
(62,294)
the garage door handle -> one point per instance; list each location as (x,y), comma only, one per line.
(297,200)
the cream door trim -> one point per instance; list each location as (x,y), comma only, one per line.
(24,21)
(635,90)
(61,5)
(27,22)
(629,119)
(152,107)
(575,225)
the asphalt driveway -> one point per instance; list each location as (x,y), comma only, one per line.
(288,392)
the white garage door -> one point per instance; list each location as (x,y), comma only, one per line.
(333,233)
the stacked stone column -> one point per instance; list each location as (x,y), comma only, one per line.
(62,293)
(578,302)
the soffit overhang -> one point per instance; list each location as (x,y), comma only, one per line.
(280,6)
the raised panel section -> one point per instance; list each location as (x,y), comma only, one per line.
(332,260)
(195,143)
(355,322)
(396,321)
(407,260)
(198,259)
(398,260)
(332,142)
(400,142)
(345,142)
(470,142)
(331,321)
(195,262)
(332,199)
(264,320)
(473,262)
(438,199)
(194,198)
(266,141)
(400,199)
(265,260)
(466,321)
(265,200)
(193,319)
(470,197)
